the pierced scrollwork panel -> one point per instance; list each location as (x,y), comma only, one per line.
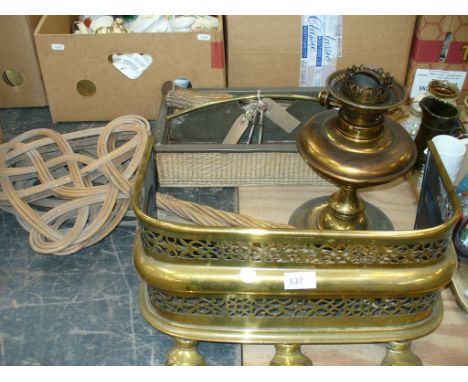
(294,252)
(210,306)
(290,307)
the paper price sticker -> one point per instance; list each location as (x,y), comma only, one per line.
(300,280)
(58,47)
(204,37)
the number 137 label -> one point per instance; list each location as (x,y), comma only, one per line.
(300,280)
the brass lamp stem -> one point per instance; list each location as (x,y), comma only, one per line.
(345,211)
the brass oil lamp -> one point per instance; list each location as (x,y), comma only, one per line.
(354,147)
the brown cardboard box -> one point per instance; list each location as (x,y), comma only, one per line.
(265,51)
(86,57)
(18,53)
(427,48)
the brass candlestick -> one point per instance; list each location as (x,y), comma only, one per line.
(354,147)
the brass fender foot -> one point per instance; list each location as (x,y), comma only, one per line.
(184,353)
(400,354)
(289,355)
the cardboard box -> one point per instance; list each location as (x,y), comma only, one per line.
(440,42)
(66,59)
(20,81)
(265,51)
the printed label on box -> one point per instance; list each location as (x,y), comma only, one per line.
(424,76)
(321,46)
(300,280)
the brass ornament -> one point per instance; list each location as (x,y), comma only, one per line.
(354,147)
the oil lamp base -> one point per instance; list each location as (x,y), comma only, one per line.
(307,215)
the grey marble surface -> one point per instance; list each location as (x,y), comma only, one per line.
(80,309)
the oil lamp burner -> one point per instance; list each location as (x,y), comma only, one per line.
(354,147)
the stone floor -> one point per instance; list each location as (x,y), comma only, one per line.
(80,309)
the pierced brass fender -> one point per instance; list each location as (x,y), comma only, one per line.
(372,286)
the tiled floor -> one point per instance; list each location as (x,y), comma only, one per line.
(80,309)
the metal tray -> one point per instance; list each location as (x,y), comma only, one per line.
(190,150)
